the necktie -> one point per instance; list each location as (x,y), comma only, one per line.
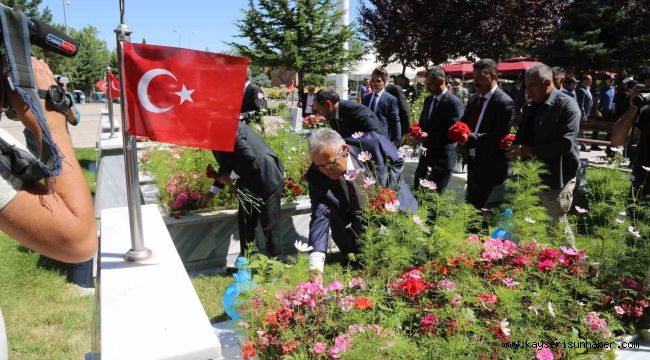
(434,105)
(476,114)
(354,200)
(373,103)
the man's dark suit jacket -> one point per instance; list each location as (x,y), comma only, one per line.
(403,106)
(303,102)
(489,167)
(251,103)
(585,102)
(441,151)
(551,129)
(328,198)
(354,117)
(259,168)
(388,114)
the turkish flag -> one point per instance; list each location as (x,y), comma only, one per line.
(184,97)
(102,85)
(291,88)
(115,87)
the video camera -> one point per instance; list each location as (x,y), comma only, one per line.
(642,97)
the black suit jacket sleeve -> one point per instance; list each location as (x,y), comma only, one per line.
(403,106)
(500,122)
(448,111)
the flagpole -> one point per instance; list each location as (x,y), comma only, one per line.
(138,251)
(110,102)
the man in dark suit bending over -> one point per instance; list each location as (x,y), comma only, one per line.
(548,131)
(340,186)
(489,116)
(441,110)
(257,170)
(345,117)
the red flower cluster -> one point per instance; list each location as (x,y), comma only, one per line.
(385,196)
(459,132)
(411,284)
(415,129)
(292,187)
(210,172)
(506,142)
(313,122)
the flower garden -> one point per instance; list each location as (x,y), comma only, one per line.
(434,284)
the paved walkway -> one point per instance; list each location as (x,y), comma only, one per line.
(84,135)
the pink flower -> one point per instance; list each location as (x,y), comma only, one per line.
(569,250)
(633,231)
(595,323)
(580,210)
(335,286)
(504,327)
(429,322)
(428,184)
(364,156)
(544,354)
(446,285)
(180,200)
(619,310)
(417,220)
(351,175)
(456,301)
(392,206)
(346,303)
(368,182)
(497,249)
(473,238)
(487,298)
(546,265)
(342,343)
(508,282)
(319,348)
(357,283)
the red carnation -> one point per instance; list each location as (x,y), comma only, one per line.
(459,132)
(506,142)
(415,129)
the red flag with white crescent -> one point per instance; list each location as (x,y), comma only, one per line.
(184,97)
(102,85)
(115,87)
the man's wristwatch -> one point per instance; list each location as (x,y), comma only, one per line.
(55,98)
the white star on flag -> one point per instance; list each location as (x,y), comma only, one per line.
(185,94)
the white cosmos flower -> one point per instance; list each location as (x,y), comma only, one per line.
(551,311)
(428,184)
(646,168)
(580,210)
(383,231)
(357,134)
(634,231)
(392,206)
(302,247)
(351,175)
(417,220)
(368,182)
(364,156)
(504,327)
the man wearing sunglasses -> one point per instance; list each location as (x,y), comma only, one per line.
(342,180)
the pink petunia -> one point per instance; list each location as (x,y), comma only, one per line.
(335,286)
(619,310)
(319,348)
(544,354)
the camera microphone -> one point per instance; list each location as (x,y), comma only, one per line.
(49,38)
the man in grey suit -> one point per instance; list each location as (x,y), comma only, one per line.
(548,131)
(441,110)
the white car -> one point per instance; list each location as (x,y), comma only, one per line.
(79,97)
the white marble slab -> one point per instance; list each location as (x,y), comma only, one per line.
(148,310)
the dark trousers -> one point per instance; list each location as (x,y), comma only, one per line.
(439,174)
(478,189)
(80,274)
(268,215)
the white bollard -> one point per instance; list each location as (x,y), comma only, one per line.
(295,119)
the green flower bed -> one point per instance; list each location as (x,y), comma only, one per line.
(428,288)
(180,173)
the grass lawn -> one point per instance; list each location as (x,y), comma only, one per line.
(45,317)
(85,157)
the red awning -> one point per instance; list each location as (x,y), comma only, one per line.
(460,69)
(515,67)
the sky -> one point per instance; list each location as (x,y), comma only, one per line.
(198,24)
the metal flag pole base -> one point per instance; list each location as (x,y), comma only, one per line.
(137,255)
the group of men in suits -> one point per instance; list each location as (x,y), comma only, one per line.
(358,150)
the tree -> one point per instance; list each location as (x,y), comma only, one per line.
(31,9)
(91,60)
(422,31)
(601,34)
(298,35)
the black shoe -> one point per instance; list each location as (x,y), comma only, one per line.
(583,148)
(595,148)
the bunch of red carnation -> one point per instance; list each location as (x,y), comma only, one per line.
(292,187)
(459,132)
(506,142)
(384,196)
(415,129)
